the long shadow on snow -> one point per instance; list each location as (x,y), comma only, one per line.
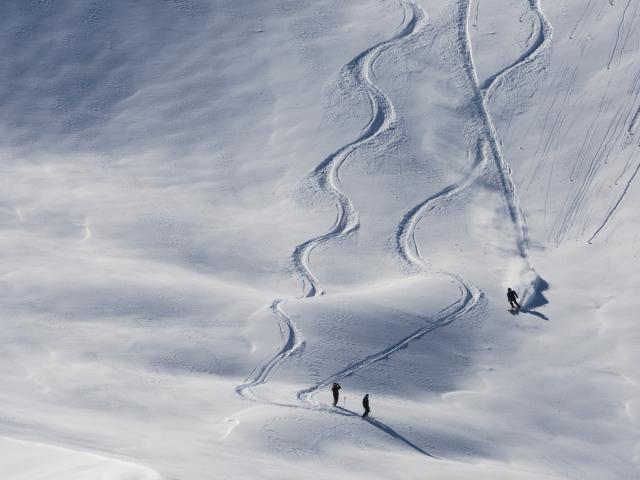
(386,429)
(535,314)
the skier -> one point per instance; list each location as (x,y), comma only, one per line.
(512,296)
(365,404)
(335,389)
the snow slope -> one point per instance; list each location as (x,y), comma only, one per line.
(214,209)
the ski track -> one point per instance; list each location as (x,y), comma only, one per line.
(539,48)
(615,206)
(326,174)
(462,306)
(488,132)
(405,235)
(619,34)
(536,49)
(293,343)
(470,297)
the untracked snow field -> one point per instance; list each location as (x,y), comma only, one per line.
(212,210)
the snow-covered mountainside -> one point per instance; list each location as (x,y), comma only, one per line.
(212,210)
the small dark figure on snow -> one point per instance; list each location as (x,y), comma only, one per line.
(512,297)
(365,404)
(335,388)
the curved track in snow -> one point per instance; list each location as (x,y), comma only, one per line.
(327,176)
(615,206)
(327,173)
(408,250)
(406,244)
(488,132)
(530,56)
(293,342)
(470,296)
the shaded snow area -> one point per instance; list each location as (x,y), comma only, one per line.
(213,210)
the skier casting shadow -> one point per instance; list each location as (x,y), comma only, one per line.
(512,296)
(365,404)
(384,428)
(335,388)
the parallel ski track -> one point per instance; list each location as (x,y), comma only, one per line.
(470,296)
(464,304)
(613,209)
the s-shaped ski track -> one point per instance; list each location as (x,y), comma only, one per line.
(326,174)
(383,119)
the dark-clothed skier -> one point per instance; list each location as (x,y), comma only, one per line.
(365,404)
(512,297)
(335,388)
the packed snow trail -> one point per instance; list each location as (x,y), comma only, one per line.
(488,133)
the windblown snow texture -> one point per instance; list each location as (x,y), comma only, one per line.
(212,210)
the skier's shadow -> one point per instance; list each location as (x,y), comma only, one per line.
(535,314)
(515,312)
(386,429)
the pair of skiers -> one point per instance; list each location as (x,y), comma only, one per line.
(335,388)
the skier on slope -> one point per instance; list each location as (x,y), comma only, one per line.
(335,388)
(512,297)
(365,404)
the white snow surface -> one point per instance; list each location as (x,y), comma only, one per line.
(214,209)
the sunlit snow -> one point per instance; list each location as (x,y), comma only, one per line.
(212,210)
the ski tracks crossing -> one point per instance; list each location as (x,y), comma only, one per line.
(487,133)
(327,177)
